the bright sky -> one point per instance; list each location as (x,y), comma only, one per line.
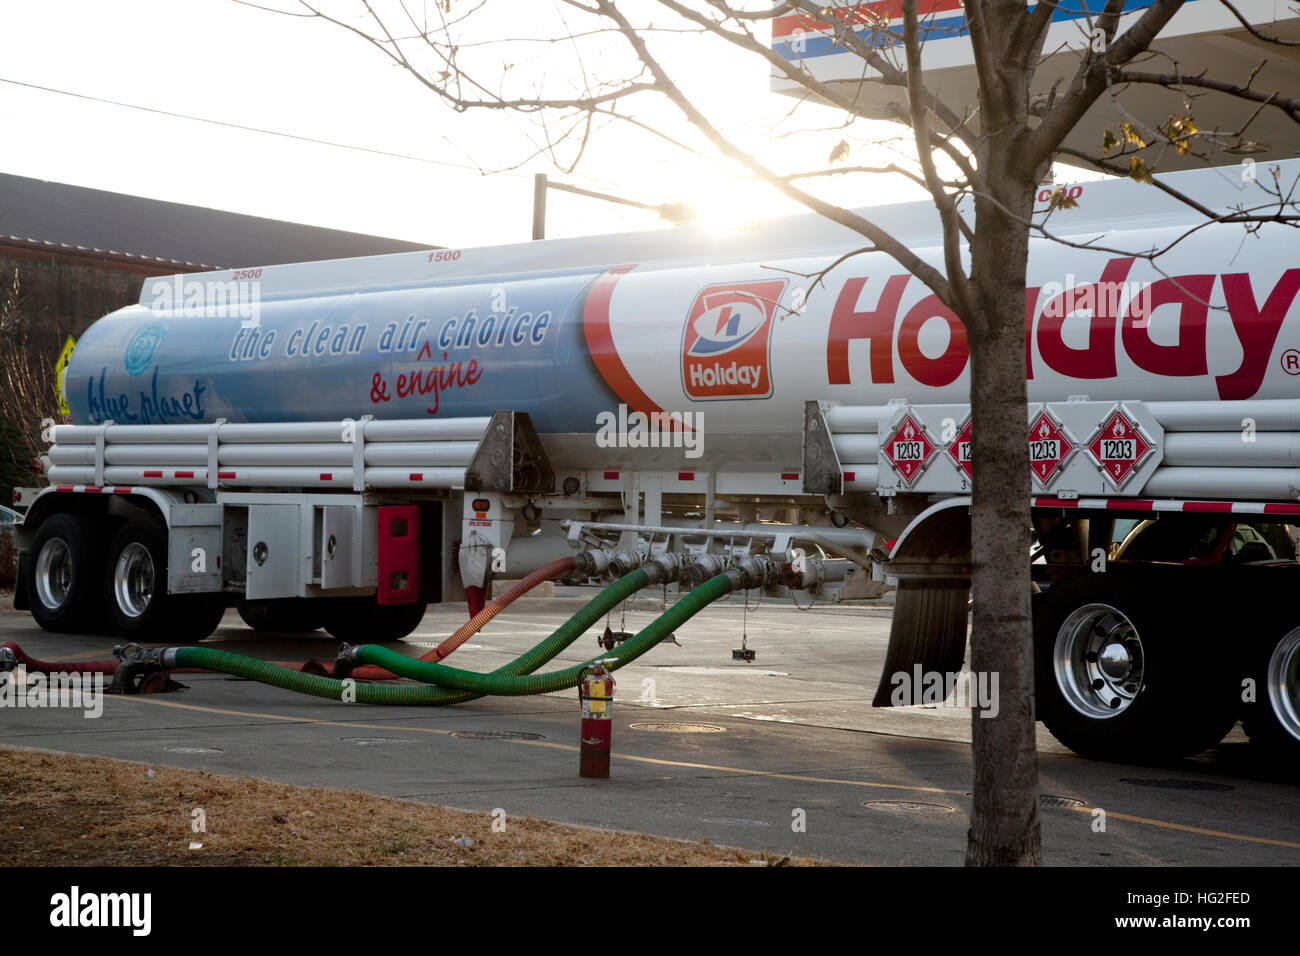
(218,60)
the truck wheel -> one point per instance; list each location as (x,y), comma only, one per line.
(1125,672)
(61,574)
(138,603)
(1273,720)
(289,616)
(364,621)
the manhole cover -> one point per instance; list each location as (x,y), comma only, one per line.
(1051,800)
(737,822)
(1177,784)
(907,806)
(678,728)
(369,741)
(193,750)
(497,735)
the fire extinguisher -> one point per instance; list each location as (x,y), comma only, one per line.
(596,692)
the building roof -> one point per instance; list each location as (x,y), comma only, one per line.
(68,218)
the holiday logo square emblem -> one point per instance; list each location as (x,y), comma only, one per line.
(727,340)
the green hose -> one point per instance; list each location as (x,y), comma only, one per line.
(500,684)
(331,688)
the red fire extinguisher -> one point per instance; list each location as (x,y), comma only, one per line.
(596,691)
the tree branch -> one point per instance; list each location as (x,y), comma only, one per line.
(881,238)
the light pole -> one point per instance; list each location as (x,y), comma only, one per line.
(677,213)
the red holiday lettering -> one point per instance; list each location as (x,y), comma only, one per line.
(876,326)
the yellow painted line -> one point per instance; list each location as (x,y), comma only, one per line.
(148,699)
(743,771)
(1165,824)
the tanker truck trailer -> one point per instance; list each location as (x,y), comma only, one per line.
(341,443)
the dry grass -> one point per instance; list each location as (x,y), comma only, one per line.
(66,809)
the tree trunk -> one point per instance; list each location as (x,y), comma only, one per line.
(1005,828)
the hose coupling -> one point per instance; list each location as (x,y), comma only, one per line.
(624,561)
(701,567)
(590,564)
(663,567)
(347,661)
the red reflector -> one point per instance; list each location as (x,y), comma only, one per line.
(1134,504)
(94,488)
(64,488)
(850,476)
(122,490)
(153,474)
(789,476)
(225,474)
(327,476)
(184,474)
(1212,506)
(1055,503)
(611,476)
(686,476)
(415,476)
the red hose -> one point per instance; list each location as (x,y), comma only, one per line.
(474,597)
(467,630)
(68,667)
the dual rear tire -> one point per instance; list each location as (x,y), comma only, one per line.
(1130,670)
(75,584)
(136,582)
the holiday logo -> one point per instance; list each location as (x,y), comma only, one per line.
(727,339)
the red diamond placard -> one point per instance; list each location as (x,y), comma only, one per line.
(908,448)
(959,449)
(1049,447)
(1119,447)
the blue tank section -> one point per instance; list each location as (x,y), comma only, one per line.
(448,351)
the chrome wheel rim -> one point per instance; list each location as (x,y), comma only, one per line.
(1284,683)
(54,574)
(1099,661)
(133,579)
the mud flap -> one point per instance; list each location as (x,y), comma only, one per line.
(928,631)
(931,561)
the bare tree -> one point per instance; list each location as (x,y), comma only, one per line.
(27,387)
(986,154)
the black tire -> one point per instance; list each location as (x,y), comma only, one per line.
(1272,719)
(365,621)
(194,616)
(1159,693)
(288,616)
(135,590)
(61,574)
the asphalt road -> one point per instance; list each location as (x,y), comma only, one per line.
(784,754)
